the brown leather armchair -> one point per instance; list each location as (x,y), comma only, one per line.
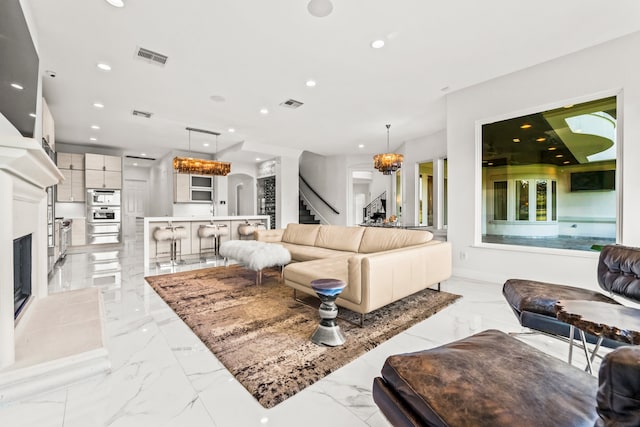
(534,302)
(492,379)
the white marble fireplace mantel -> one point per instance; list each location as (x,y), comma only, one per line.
(25,173)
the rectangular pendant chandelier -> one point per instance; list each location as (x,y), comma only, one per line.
(201,166)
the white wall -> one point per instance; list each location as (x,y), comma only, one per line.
(287,191)
(330,176)
(600,71)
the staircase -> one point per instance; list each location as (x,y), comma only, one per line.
(304,214)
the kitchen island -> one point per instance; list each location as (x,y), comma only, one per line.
(189,247)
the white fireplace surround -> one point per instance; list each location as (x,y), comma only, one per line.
(58,338)
(25,173)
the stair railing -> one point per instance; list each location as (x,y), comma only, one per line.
(313,210)
(377,205)
(304,181)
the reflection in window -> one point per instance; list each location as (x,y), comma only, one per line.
(554,203)
(541,200)
(522,200)
(531,168)
(500,200)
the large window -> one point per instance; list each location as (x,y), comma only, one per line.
(548,178)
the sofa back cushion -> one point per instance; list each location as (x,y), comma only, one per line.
(301,234)
(376,239)
(339,238)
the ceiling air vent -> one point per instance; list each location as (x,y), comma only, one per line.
(291,103)
(151,56)
(142,114)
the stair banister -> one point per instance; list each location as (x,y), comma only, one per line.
(304,181)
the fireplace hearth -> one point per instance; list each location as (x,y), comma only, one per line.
(22,259)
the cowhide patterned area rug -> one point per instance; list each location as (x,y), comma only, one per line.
(262,335)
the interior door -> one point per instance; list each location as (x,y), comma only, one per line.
(135,204)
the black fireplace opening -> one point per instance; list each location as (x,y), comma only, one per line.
(21,272)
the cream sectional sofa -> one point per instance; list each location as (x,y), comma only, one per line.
(379,265)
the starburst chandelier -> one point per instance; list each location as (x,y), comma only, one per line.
(201,166)
(388,162)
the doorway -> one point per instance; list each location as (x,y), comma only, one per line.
(136,197)
(240,192)
(432,193)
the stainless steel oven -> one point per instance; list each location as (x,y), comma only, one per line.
(103,197)
(100,214)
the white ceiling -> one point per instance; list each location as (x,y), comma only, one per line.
(257,54)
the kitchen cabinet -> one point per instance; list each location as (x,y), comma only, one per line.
(70,161)
(72,167)
(103,171)
(192,188)
(78,232)
(48,125)
(181,188)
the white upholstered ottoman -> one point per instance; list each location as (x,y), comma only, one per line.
(255,255)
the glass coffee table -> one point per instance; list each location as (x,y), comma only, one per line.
(601,319)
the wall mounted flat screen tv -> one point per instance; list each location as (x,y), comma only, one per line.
(594,180)
(18,66)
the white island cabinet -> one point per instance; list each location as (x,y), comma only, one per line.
(189,246)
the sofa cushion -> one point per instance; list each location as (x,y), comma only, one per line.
(330,268)
(377,239)
(619,392)
(339,238)
(308,253)
(301,234)
(491,379)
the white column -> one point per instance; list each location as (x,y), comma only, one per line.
(7,329)
(287,170)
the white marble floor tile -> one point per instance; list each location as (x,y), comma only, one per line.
(42,411)
(163,375)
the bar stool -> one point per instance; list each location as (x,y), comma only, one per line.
(213,231)
(174,234)
(246,230)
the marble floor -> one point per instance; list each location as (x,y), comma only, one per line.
(162,375)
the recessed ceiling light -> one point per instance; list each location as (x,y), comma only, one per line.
(205,144)
(96,127)
(578,131)
(525,126)
(93,139)
(116,3)
(490,163)
(264,111)
(258,159)
(552,148)
(98,105)
(559,156)
(566,162)
(104,67)
(541,139)
(17,86)
(231,130)
(377,44)
(32,115)
(135,164)
(516,139)
(320,8)
(568,106)
(143,154)
(310,83)
(360,145)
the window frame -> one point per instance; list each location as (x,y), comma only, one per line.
(480,213)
